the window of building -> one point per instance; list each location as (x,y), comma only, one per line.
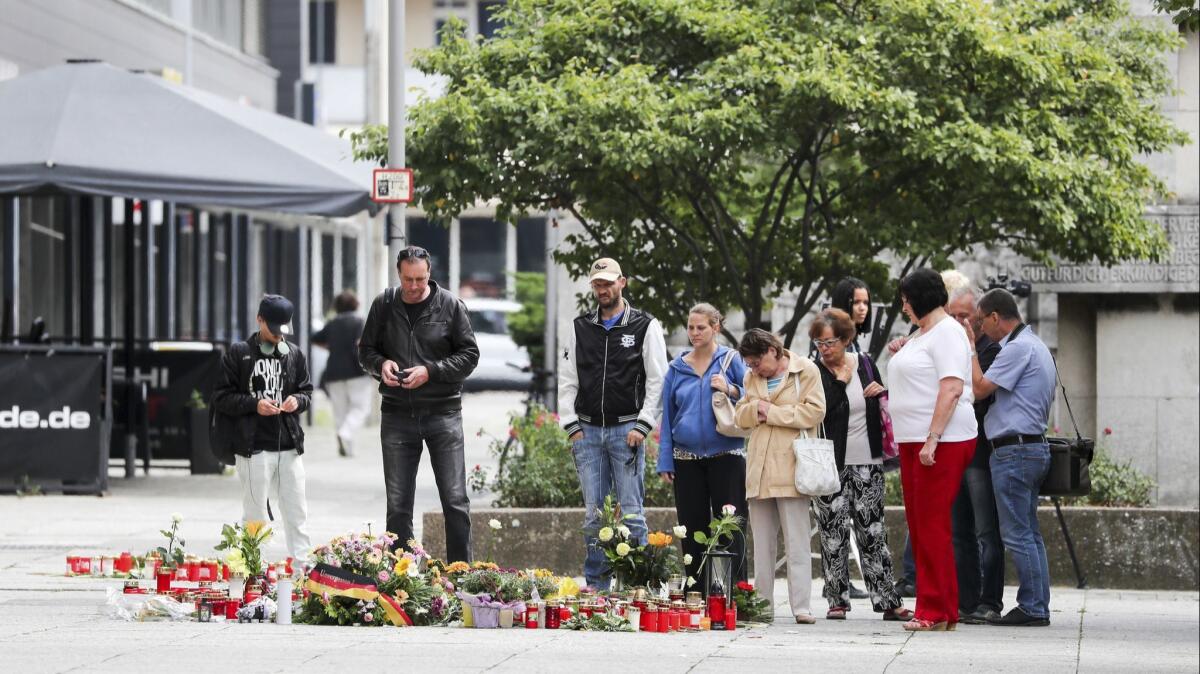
(531,244)
(322,31)
(436,240)
(476,14)
(482,245)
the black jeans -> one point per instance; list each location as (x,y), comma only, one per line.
(402,437)
(978,550)
(702,486)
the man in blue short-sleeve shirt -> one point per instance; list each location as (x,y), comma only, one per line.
(1022,379)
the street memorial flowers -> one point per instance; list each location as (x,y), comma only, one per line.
(632,564)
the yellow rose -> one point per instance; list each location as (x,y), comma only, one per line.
(606,534)
(255,526)
(623,549)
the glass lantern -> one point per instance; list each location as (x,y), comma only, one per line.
(718,573)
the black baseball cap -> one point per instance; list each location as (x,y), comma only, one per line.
(276,311)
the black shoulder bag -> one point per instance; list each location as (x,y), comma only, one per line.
(1070,458)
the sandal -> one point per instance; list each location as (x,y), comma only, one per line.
(918,625)
(898,614)
(836,613)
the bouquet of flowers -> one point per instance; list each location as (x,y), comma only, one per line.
(358,580)
(751,607)
(243,545)
(650,564)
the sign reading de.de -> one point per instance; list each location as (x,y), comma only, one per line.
(392,186)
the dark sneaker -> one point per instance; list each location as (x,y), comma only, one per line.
(906,589)
(1019,618)
(856,593)
(341,448)
(981,616)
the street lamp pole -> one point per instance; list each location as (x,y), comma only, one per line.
(396,225)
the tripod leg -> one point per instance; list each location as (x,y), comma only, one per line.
(1079,578)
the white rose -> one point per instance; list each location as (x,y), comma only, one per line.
(679,530)
(728,509)
(623,549)
(691,581)
(176,518)
(687,559)
(606,534)
(624,531)
(494,524)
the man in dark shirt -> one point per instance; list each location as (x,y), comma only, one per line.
(419,343)
(978,550)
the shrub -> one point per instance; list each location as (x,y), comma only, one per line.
(1116,484)
(536,470)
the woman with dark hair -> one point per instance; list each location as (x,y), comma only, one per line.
(934,423)
(852,420)
(852,296)
(782,397)
(348,387)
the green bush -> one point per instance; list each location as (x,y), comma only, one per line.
(892,494)
(537,469)
(1116,484)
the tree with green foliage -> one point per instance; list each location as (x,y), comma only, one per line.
(1184,13)
(732,151)
(528,326)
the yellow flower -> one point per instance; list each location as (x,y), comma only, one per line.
(485,565)
(255,526)
(567,587)
(401,596)
(606,534)
(401,567)
(458,567)
(623,549)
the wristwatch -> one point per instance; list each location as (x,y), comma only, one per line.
(933,436)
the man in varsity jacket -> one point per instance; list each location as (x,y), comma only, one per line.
(609,397)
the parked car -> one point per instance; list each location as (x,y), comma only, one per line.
(498,353)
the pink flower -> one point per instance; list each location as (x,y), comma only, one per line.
(1108,430)
(512,432)
(384,576)
(728,509)
(369,617)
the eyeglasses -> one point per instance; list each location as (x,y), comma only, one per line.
(827,343)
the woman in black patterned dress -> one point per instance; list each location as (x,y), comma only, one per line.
(852,420)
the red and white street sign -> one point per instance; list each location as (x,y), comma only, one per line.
(392,186)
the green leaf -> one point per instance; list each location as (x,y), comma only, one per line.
(700,537)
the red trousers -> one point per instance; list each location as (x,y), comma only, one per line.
(929,493)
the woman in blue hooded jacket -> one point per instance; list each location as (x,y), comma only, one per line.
(707,469)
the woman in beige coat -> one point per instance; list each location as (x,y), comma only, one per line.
(783,396)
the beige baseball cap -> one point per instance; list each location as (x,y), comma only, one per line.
(605,269)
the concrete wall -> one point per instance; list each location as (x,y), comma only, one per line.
(1127,548)
(1147,369)
(35,34)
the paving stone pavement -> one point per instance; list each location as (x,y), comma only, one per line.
(50,623)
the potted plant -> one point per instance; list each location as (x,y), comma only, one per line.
(242,544)
(172,555)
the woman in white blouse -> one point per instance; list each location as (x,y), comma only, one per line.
(934,424)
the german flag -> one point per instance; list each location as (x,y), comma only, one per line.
(392,609)
(326,579)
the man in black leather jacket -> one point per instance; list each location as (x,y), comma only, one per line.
(419,344)
(256,406)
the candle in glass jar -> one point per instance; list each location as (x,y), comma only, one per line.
(664,619)
(649,618)
(531,616)
(634,615)
(716,611)
(731,617)
(553,617)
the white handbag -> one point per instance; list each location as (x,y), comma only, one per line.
(816,467)
(722,408)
